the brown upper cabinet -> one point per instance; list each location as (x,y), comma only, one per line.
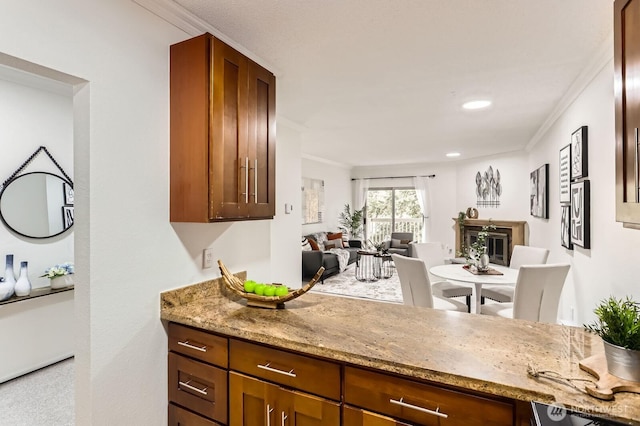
(627,110)
(222,107)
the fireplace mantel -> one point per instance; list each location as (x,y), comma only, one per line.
(516,228)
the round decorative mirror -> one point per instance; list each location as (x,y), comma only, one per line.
(37,205)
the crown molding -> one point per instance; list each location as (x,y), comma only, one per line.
(191,24)
(325,161)
(603,56)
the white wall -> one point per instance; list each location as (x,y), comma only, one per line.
(610,267)
(337,192)
(127,252)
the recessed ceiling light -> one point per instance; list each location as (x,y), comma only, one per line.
(476,104)
(453,154)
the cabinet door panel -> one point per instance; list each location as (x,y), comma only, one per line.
(180,417)
(228,151)
(261,141)
(356,417)
(251,401)
(306,410)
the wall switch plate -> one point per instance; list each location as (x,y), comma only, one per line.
(288,208)
(207,258)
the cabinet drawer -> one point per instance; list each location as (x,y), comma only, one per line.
(357,417)
(198,344)
(297,371)
(180,417)
(422,403)
(199,387)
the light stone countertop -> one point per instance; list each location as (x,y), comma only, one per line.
(481,353)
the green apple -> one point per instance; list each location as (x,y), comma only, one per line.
(269,290)
(249,286)
(281,290)
(259,289)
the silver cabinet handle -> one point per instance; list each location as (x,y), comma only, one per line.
(415,407)
(268,367)
(186,344)
(255,179)
(635,131)
(284,418)
(246,180)
(269,411)
(193,388)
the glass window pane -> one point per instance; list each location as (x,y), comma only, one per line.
(408,217)
(379,206)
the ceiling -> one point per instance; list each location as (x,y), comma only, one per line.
(378,82)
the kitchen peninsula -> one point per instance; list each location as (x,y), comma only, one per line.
(463,365)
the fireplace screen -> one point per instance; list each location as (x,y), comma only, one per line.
(497,245)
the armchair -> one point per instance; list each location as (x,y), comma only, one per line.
(400,243)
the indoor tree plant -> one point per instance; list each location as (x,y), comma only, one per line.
(618,324)
(352,222)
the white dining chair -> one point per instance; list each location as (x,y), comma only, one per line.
(522,255)
(537,294)
(432,255)
(416,287)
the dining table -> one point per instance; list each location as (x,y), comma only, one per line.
(497,275)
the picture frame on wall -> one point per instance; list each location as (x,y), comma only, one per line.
(539,199)
(579,154)
(67,216)
(580,214)
(565,175)
(565,227)
(68,193)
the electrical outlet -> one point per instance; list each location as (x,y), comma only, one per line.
(207,258)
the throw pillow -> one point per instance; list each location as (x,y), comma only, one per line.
(335,239)
(395,243)
(305,244)
(405,241)
(329,245)
(314,245)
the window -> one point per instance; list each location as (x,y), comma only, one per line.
(392,210)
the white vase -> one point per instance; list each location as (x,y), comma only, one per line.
(61,281)
(23,285)
(9,276)
(6,290)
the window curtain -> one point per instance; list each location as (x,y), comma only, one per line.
(421,184)
(361,188)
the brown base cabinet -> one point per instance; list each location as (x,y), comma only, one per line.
(217,380)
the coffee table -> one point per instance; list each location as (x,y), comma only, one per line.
(386,265)
(367,266)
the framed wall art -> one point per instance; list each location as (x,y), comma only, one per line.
(68,193)
(312,200)
(565,175)
(580,214)
(67,216)
(539,183)
(579,163)
(565,226)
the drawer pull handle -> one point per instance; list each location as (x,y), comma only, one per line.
(268,367)
(190,346)
(193,388)
(269,411)
(637,194)
(284,418)
(415,407)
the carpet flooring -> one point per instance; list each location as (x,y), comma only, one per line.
(42,398)
(345,284)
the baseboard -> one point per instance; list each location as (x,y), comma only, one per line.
(35,368)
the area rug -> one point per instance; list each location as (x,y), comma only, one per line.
(345,284)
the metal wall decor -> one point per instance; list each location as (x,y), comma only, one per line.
(488,188)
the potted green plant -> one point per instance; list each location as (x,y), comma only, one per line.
(476,254)
(351,221)
(618,324)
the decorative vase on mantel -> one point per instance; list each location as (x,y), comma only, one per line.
(23,285)
(61,281)
(8,285)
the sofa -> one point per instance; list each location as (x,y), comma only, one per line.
(312,260)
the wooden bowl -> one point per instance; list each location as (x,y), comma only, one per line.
(236,285)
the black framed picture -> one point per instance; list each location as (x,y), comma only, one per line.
(67,216)
(68,193)
(580,214)
(565,226)
(565,175)
(539,199)
(579,163)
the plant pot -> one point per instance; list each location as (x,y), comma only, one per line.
(621,362)
(61,281)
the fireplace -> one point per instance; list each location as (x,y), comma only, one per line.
(500,240)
